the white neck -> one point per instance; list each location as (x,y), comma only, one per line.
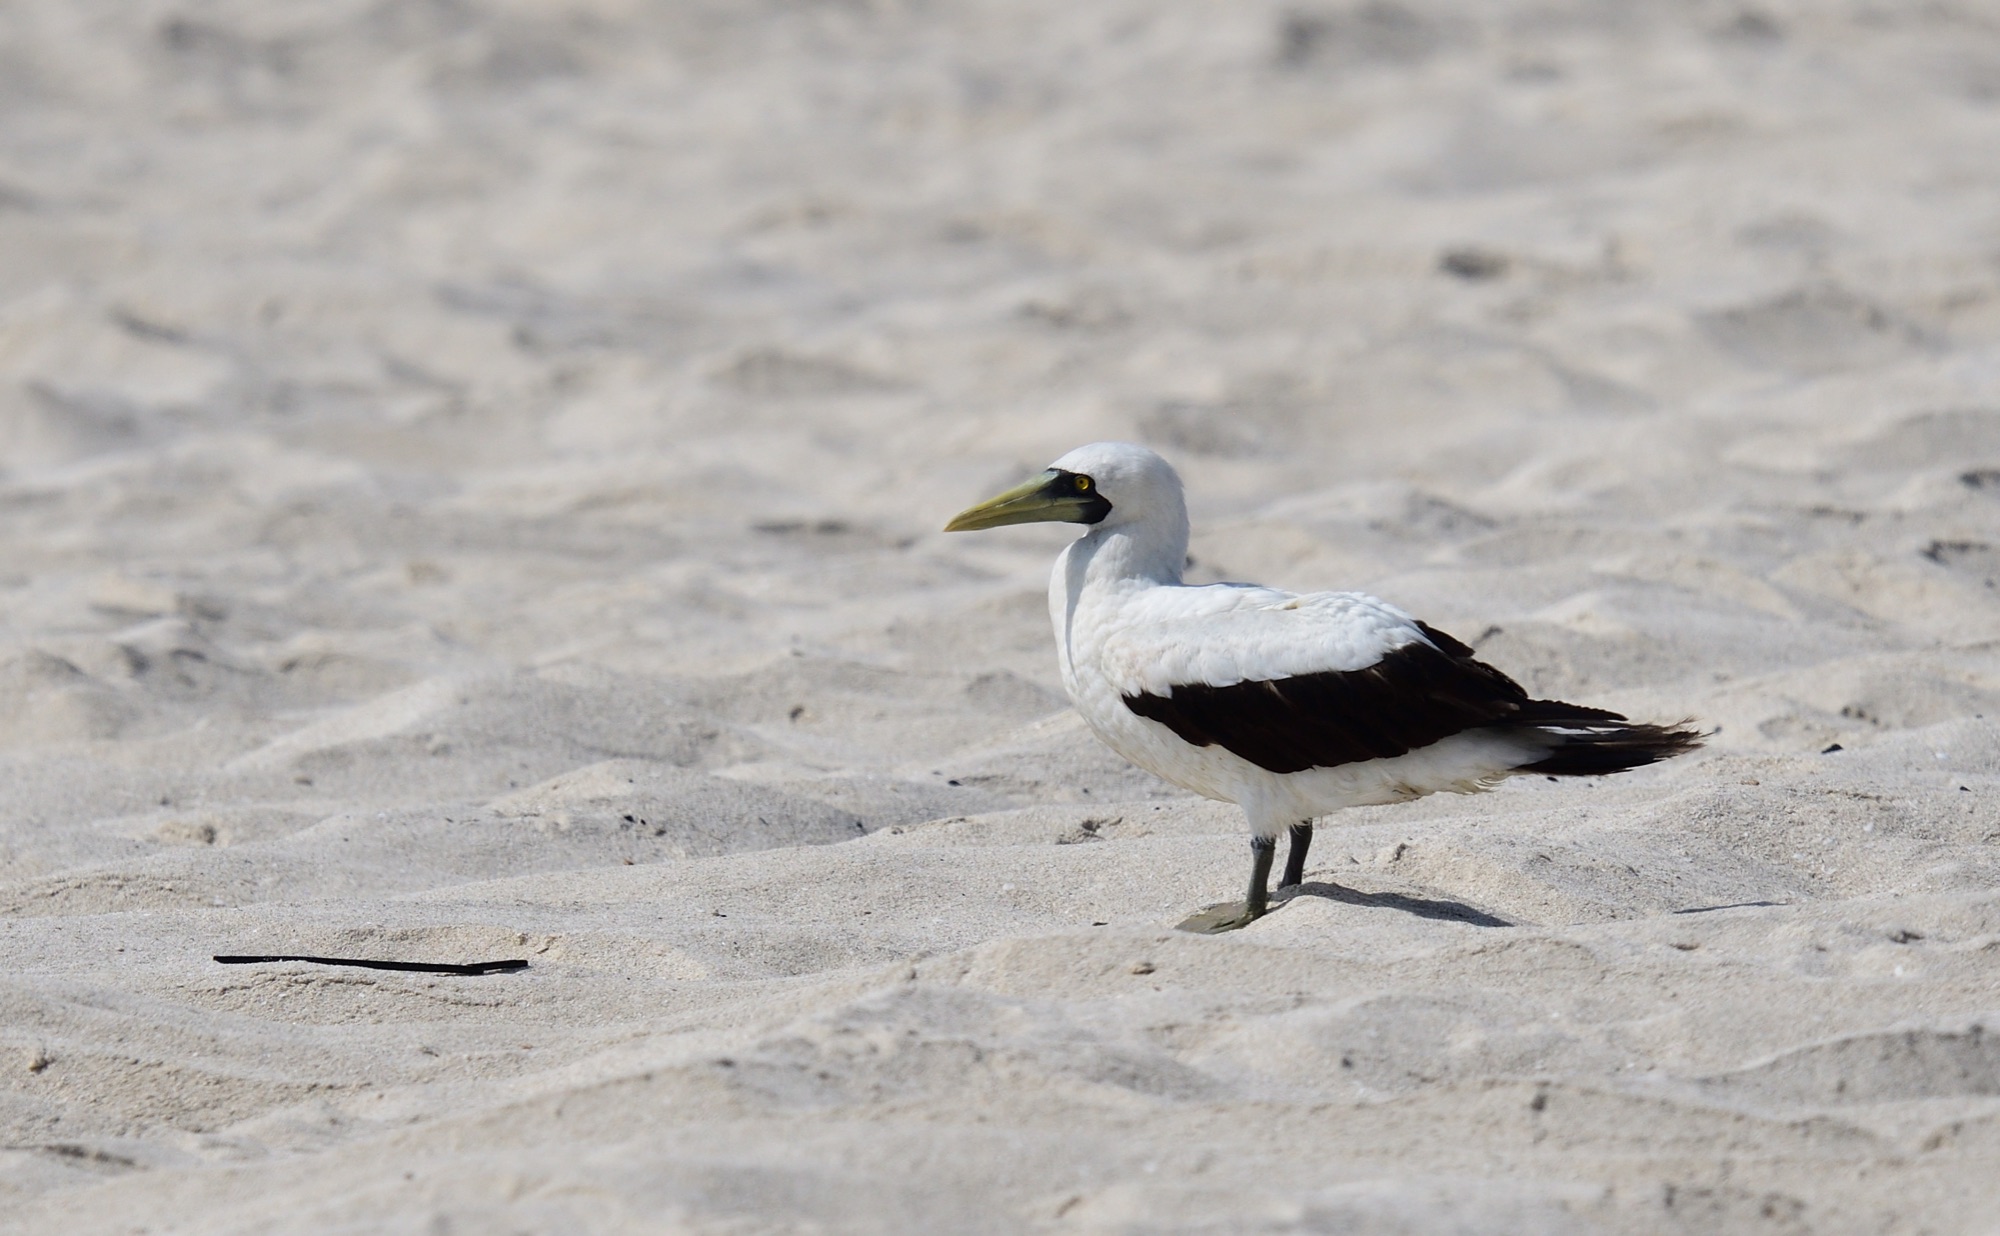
(1141,552)
(1113,560)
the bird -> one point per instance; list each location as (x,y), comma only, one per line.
(1290,705)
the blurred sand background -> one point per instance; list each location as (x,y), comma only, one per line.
(469,487)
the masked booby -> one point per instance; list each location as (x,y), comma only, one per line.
(1289,705)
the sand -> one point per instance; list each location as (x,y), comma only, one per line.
(469,488)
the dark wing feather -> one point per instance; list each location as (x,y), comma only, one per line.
(1414,696)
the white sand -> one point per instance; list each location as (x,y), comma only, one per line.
(470,484)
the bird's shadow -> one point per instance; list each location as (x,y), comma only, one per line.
(1422,907)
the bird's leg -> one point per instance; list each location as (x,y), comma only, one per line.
(1233,914)
(1258,900)
(1295,858)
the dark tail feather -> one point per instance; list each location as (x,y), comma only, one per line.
(1591,742)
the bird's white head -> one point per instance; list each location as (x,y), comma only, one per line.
(1140,486)
(1130,495)
(1109,484)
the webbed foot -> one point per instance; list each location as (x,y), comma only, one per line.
(1231,915)
(1216,919)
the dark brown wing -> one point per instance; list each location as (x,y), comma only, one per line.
(1414,696)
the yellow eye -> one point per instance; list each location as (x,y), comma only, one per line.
(1082,484)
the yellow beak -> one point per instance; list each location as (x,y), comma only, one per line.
(1046,499)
